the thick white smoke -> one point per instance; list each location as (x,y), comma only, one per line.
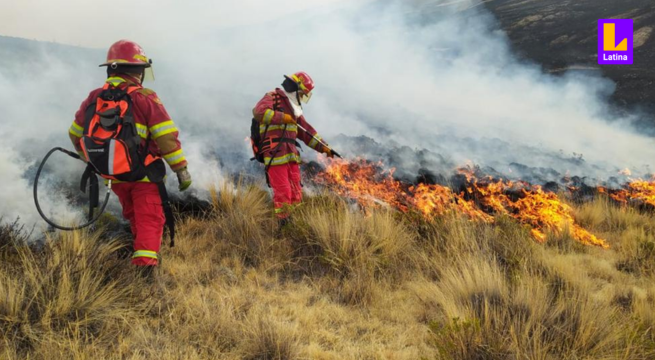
(38,88)
(385,71)
(14,193)
(425,74)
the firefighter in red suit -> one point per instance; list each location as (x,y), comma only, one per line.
(127,66)
(281,124)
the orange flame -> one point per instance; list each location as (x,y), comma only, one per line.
(434,200)
(369,185)
(638,191)
(540,210)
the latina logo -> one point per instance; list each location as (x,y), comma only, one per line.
(615,41)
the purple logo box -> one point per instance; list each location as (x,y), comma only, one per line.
(615,41)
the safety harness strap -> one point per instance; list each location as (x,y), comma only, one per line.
(94,195)
(285,140)
(273,153)
(276,105)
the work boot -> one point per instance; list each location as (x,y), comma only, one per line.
(283,222)
(153,285)
(282,225)
(146,272)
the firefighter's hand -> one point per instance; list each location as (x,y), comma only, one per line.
(184,178)
(328,152)
(288,119)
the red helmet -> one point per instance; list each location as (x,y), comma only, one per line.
(125,52)
(304,81)
(305,85)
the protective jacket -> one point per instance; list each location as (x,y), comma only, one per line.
(142,200)
(152,121)
(269,112)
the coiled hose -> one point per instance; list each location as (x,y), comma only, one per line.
(91,218)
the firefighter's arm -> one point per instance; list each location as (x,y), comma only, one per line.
(172,152)
(310,137)
(265,114)
(164,132)
(170,146)
(76,129)
(75,138)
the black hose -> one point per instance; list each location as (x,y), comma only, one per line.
(36,197)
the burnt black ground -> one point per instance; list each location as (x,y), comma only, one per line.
(562,35)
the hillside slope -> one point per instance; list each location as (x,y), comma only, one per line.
(17,54)
(562,34)
(338,284)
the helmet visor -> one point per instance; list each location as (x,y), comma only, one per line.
(149,74)
(304,98)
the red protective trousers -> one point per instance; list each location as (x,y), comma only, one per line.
(287,191)
(142,207)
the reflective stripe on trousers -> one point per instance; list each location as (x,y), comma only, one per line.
(142,208)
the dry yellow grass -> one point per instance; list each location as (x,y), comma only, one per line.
(337,284)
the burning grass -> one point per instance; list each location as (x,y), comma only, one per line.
(341,283)
(637,191)
(481,200)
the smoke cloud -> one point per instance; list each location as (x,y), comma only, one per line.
(435,75)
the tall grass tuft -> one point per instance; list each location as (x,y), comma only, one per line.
(354,248)
(72,287)
(336,283)
(243,219)
(268,339)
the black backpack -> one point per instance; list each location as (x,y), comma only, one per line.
(256,141)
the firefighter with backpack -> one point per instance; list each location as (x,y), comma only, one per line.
(277,125)
(124,133)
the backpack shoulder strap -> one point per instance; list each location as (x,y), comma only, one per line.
(89,113)
(132,89)
(276,106)
(276,101)
(263,137)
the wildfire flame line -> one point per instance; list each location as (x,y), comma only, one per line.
(637,191)
(483,200)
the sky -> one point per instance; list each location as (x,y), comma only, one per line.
(87,22)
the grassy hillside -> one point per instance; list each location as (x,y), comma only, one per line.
(562,35)
(338,284)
